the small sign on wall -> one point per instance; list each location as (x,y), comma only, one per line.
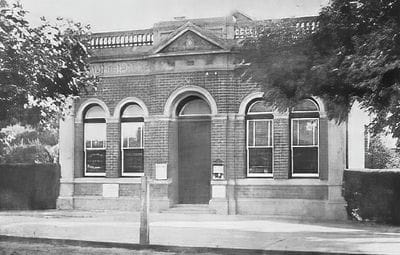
(161,171)
(218,170)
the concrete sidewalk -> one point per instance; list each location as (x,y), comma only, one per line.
(238,232)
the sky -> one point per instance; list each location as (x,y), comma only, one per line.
(114,15)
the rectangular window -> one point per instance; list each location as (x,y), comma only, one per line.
(305,147)
(132,148)
(95,149)
(259,148)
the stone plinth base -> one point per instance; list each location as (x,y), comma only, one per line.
(220,205)
(297,208)
(120,204)
(65,203)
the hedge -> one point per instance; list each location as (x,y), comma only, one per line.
(373,195)
(29,186)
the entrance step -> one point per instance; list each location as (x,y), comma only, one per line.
(190,209)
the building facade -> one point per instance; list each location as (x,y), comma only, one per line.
(170,105)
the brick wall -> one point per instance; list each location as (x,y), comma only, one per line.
(154,90)
(218,140)
(88,189)
(155,144)
(113,151)
(283,191)
(228,135)
(281,148)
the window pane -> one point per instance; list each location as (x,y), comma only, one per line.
(259,107)
(98,144)
(95,161)
(132,110)
(263,133)
(133,161)
(305,132)
(306,106)
(96,134)
(132,134)
(305,160)
(250,133)
(295,132)
(260,160)
(95,112)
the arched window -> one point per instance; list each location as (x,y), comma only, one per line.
(305,139)
(259,141)
(132,140)
(95,141)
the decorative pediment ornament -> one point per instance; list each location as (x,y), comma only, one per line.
(190,38)
(189,42)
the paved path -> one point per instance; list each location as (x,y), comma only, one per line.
(242,232)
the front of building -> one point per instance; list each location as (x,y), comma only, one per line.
(170,105)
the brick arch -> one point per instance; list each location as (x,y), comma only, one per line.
(90,101)
(255,95)
(321,105)
(127,100)
(247,99)
(183,92)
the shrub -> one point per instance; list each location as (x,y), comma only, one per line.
(29,154)
(378,156)
(29,186)
(373,195)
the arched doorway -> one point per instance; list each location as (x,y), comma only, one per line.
(194,150)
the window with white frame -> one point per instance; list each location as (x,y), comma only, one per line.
(132,140)
(95,141)
(259,140)
(305,139)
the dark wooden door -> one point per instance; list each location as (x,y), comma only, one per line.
(194,150)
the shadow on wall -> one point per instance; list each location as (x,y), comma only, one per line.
(29,186)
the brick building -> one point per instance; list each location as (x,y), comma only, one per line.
(170,105)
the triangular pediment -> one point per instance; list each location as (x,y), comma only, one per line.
(190,41)
(190,38)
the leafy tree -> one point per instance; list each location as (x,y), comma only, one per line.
(353,55)
(25,145)
(40,67)
(378,156)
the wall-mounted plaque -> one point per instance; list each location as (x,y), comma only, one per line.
(161,171)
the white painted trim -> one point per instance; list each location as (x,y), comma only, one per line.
(122,149)
(321,105)
(123,102)
(132,174)
(311,175)
(86,103)
(183,92)
(104,148)
(270,175)
(85,162)
(247,100)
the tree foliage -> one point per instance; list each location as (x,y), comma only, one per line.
(353,55)
(40,67)
(24,145)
